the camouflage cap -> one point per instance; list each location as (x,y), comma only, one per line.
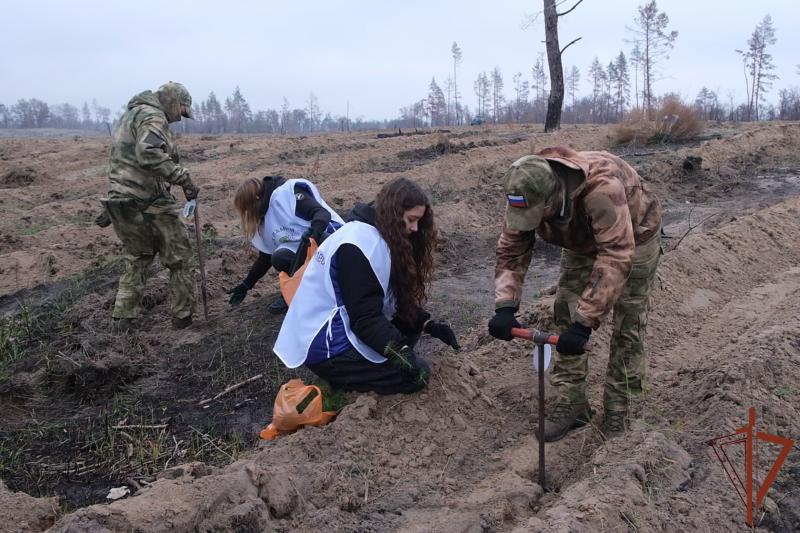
(528,185)
(175,94)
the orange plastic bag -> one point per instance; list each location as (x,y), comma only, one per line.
(285,416)
(289,284)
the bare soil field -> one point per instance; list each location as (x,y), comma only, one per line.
(85,410)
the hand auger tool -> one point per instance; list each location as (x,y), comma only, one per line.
(541,360)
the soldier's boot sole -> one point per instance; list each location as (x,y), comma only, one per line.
(564,419)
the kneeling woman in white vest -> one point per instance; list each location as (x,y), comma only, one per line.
(358,311)
(276,214)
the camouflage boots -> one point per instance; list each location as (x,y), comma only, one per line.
(563,418)
(614,423)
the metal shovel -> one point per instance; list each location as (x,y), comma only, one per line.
(541,362)
(189,210)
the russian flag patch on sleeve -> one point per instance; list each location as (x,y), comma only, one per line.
(516,200)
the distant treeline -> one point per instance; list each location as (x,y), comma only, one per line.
(610,100)
(608,103)
(210,116)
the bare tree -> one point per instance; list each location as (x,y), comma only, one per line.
(707,105)
(86,115)
(554,53)
(539,82)
(413,116)
(636,61)
(758,64)
(41,112)
(284,115)
(448,87)
(313,112)
(482,90)
(521,90)
(456,51)
(789,104)
(573,83)
(657,41)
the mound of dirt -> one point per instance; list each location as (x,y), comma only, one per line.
(17,177)
(22,513)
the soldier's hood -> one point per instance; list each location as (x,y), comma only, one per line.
(145,98)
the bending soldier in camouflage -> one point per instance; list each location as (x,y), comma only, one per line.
(598,209)
(143,164)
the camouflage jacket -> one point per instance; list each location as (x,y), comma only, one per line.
(143,160)
(607,211)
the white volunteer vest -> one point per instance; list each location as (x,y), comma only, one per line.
(314,305)
(281,227)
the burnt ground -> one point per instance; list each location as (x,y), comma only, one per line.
(86,409)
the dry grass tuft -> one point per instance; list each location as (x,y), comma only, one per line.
(674,122)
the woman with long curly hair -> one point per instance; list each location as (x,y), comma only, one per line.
(359,309)
(276,215)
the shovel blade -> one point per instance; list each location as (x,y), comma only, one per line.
(548,356)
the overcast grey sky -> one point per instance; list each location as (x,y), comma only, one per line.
(379,54)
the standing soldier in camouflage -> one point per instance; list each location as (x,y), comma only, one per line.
(598,209)
(143,164)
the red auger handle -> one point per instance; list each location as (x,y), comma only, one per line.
(539,337)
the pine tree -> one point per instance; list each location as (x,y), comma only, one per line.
(573,84)
(598,77)
(437,107)
(758,64)
(215,114)
(86,116)
(656,41)
(498,100)
(540,82)
(456,52)
(238,110)
(622,85)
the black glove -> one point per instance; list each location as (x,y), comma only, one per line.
(572,341)
(443,332)
(403,357)
(315,233)
(190,190)
(237,294)
(406,361)
(502,322)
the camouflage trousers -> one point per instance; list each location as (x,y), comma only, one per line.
(627,363)
(144,235)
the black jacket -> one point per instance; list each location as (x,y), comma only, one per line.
(363,296)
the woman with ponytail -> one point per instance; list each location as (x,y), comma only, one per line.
(276,215)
